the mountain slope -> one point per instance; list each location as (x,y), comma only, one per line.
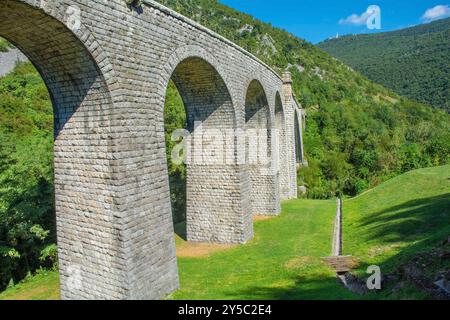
(413,62)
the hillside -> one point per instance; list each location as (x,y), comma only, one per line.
(387,226)
(403,215)
(413,62)
(401,227)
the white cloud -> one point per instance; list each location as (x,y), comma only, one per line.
(360,19)
(354,19)
(437,12)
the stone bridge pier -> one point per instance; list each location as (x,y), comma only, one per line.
(107,66)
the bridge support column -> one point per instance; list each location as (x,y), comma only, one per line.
(290,116)
(261,153)
(218,204)
(282,149)
(265,194)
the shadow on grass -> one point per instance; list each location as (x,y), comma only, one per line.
(413,220)
(326,288)
(419,226)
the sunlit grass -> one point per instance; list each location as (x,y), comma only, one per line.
(385,226)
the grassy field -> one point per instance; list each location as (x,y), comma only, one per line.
(384,226)
(43,286)
(282,262)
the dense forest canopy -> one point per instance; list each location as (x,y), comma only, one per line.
(413,62)
(357,134)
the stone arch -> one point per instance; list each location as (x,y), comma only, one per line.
(259,153)
(187,52)
(257,117)
(75,70)
(282,146)
(214,209)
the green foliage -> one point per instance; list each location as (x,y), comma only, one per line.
(4,45)
(352,148)
(26,174)
(413,62)
(49,255)
(175,119)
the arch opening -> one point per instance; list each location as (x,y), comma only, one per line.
(213,210)
(86,235)
(257,126)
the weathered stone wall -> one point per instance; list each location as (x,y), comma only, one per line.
(107,73)
(290,114)
(283,149)
(260,152)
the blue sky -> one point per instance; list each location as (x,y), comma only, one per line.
(317,20)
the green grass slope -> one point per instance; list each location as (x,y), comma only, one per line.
(384,226)
(389,225)
(42,286)
(413,62)
(403,215)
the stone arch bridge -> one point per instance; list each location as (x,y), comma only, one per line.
(107,65)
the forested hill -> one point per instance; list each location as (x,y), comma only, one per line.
(358,133)
(413,62)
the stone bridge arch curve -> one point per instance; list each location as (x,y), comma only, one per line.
(192,51)
(211,119)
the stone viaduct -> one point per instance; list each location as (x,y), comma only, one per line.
(107,65)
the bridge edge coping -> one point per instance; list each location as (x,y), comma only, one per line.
(197,25)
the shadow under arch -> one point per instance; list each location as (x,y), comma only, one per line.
(212,194)
(257,117)
(81,99)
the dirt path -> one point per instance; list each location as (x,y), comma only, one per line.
(199,249)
